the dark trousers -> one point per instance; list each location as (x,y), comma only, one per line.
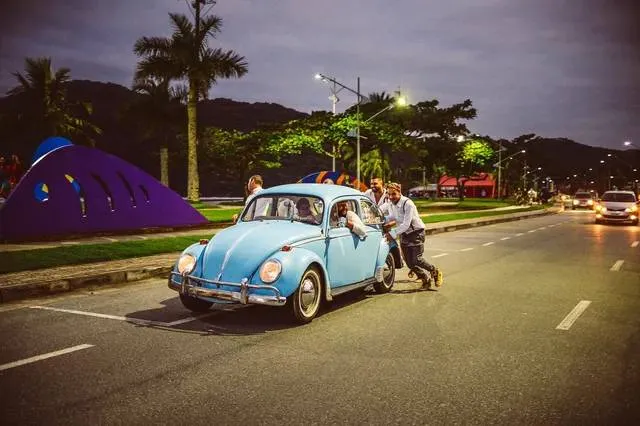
(412,244)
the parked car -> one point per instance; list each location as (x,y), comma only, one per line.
(617,206)
(583,200)
(280,253)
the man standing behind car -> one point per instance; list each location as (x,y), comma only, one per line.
(412,235)
(254,185)
(377,193)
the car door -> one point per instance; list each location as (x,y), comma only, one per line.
(367,250)
(341,247)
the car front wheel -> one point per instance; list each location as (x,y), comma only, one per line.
(388,276)
(305,302)
(194,304)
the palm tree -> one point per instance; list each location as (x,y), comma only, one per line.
(186,56)
(45,102)
(158,108)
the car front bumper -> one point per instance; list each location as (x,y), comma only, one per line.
(193,286)
(617,217)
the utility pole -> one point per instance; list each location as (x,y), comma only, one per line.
(500,170)
(358,133)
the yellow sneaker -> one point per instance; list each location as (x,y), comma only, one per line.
(439,278)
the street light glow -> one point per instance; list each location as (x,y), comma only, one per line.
(401,101)
(627,143)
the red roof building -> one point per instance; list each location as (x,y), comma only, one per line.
(481,185)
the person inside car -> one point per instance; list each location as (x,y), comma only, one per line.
(303,212)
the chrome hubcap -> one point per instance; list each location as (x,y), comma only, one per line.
(309,291)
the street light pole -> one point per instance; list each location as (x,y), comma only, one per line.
(500,170)
(358,134)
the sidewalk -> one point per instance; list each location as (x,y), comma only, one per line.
(25,284)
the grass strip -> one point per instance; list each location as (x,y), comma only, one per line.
(26,260)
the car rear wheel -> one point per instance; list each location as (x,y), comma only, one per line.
(195,305)
(388,276)
(305,302)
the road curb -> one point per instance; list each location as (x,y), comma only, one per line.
(46,288)
(488,221)
(126,275)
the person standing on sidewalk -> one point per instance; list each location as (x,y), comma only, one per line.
(411,230)
(377,193)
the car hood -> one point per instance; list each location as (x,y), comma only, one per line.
(617,205)
(239,250)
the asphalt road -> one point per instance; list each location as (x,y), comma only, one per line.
(495,345)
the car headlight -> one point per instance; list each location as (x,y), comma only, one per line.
(576,202)
(590,202)
(186,263)
(603,209)
(631,209)
(270,271)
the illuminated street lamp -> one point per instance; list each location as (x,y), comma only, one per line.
(400,101)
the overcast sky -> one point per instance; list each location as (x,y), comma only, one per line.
(558,68)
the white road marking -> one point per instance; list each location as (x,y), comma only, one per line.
(142,237)
(542,228)
(532,231)
(519,235)
(505,238)
(126,319)
(439,255)
(616,266)
(568,321)
(69,243)
(113,240)
(488,244)
(44,356)
(467,249)
(635,244)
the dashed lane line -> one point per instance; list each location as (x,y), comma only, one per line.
(568,321)
(520,234)
(44,356)
(616,266)
(488,244)
(635,244)
(505,238)
(439,255)
(467,249)
(127,319)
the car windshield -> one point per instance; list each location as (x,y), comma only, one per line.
(620,197)
(299,208)
(582,195)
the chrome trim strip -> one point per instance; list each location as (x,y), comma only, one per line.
(241,296)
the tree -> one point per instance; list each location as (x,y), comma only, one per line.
(475,156)
(156,113)
(186,55)
(45,109)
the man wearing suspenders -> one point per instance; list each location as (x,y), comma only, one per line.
(411,230)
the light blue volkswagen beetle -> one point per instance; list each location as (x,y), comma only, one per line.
(289,247)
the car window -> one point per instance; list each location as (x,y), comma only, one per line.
(305,209)
(334,219)
(371,214)
(620,197)
(584,195)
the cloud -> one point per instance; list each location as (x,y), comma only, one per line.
(557,68)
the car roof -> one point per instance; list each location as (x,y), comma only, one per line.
(320,190)
(619,192)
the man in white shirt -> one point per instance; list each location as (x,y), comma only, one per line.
(377,193)
(254,185)
(411,230)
